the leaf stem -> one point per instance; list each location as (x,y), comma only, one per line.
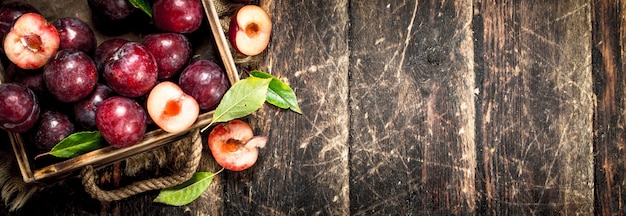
(218,172)
(207,127)
(48,153)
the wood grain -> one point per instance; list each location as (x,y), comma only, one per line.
(608,63)
(536,108)
(423,107)
(412,115)
(304,168)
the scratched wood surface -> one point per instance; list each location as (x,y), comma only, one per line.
(412,100)
(608,75)
(427,107)
(536,108)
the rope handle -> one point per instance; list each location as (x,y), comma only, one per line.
(89,177)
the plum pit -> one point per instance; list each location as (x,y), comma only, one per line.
(32,42)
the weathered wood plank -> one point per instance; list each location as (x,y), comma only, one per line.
(304,168)
(536,108)
(412,101)
(608,74)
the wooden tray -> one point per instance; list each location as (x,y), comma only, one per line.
(151,139)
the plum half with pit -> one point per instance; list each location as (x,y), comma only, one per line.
(180,16)
(234,146)
(132,70)
(121,121)
(172,52)
(31,42)
(75,34)
(70,75)
(170,108)
(250,30)
(19,108)
(205,81)
(9,12)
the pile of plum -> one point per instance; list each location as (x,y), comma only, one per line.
(60,80)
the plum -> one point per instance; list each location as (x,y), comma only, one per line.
(121,121)
(205,81)
(180,16)
(132,71)
(70,75)
(19,108)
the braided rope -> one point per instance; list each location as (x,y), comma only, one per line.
(89,177)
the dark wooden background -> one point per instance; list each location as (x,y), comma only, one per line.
(424,107)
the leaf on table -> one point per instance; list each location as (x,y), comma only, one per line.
(143,5)
(186,192)
(279,93)
(242,99)
(77,143)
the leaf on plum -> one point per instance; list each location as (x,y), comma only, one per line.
(279,93)
(242,99)
(143,5)
(186,192)
(77,143)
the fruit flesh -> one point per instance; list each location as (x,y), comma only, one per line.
(31,41)
(170,108)
(9,12)
(250,30)
(233,145)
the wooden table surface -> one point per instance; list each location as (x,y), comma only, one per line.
(425,107)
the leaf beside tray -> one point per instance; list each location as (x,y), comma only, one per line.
(243,98)
(279,93)
(186,192)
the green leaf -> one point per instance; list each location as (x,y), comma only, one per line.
(242,99)
(186,192)
(77,143)
(279,93)
(143,5)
